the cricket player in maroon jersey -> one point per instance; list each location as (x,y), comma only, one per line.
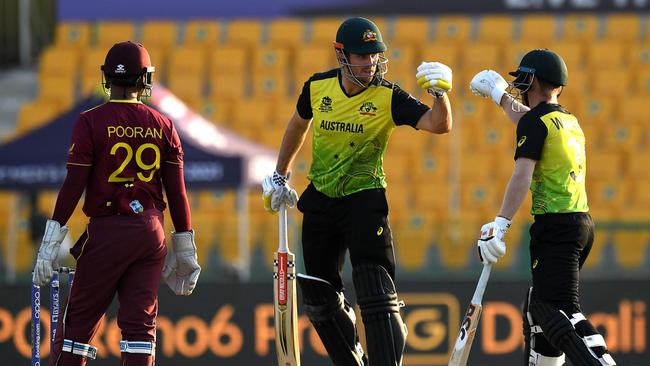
(122,154)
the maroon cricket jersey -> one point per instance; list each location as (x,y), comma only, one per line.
(124,142)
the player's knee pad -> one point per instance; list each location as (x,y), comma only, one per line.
(380,310)
(81,349)
(592,339)
(334,321)
(142,347)
(538,351)
(559,330)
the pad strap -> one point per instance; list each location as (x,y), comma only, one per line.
(148,348)
(81,349)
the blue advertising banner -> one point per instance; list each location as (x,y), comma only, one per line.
(232,324)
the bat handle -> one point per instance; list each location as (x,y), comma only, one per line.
(282,228)
(482,283)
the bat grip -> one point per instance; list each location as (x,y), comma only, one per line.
(482,283)
(282,229)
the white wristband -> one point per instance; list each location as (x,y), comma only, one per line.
(497,94)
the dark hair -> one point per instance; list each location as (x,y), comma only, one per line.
(546,85)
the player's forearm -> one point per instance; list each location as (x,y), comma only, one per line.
(73,187)
(179,208)
(441,118)
(513,108)
(515,194)
(292,141)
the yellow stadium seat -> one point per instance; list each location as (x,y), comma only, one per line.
(577,85)
(412,30)
(271,59)
(627,137)
(513,53)
(580,27)
(412,239)
(631,247)
(623,27)
(395,166)
(272,85)
(109,33)
(246,32)
(639,58)
(447,53)
(286,32)
(607,55)
(92,60)
(496,138)
(402,58)
(322,30)
(473,111)
(187,87)
(35,114)
(473,162)
(608,194)
(59,61)
(632,109)
(603,164)
(480,196)
(91,83)
(434,195)
(456,241)
(453,29)
(188,60)
(310,59)
(496,28)
(640,186)
(600,108)
(572,53)
(59,88)
(252,112)
(160,34)
(229,59)
(538,29)
(641,83)
(204,33)
(612,82)
(216,111)
(225,85)
(481,56)
(596,254)
(405,79)
(73,34)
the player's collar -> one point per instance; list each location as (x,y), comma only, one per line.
(125,101)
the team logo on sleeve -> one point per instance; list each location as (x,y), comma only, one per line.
(521,141)
(369,36)
(136,206)
(325,105)
(367,109)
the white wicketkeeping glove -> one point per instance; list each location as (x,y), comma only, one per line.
(434,77)
(48,252)
(488,83)
(491,246)
(181,270)
(275,191)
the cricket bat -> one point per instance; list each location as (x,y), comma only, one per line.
(463,345)
(284,296)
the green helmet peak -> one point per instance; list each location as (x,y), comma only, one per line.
(359,35)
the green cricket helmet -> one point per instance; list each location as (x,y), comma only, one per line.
(543,64)
(360,36)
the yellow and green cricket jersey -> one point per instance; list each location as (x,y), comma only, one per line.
(350,132)
(552,136)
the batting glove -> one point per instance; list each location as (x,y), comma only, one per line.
(48,252)
(181,271)
(276,191)
(488,83)
(434,77)
(491,246)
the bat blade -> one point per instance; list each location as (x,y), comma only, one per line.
(285,309)
(460,353)
(463,345)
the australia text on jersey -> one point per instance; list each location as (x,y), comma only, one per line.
(341,126)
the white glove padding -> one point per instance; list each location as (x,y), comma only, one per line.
(434,77)
(491,246)
(489,83)
(276,191)
(181,270)
(48,252)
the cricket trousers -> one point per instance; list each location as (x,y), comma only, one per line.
(121,255)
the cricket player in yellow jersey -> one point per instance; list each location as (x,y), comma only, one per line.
(351,112)
(550,161)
